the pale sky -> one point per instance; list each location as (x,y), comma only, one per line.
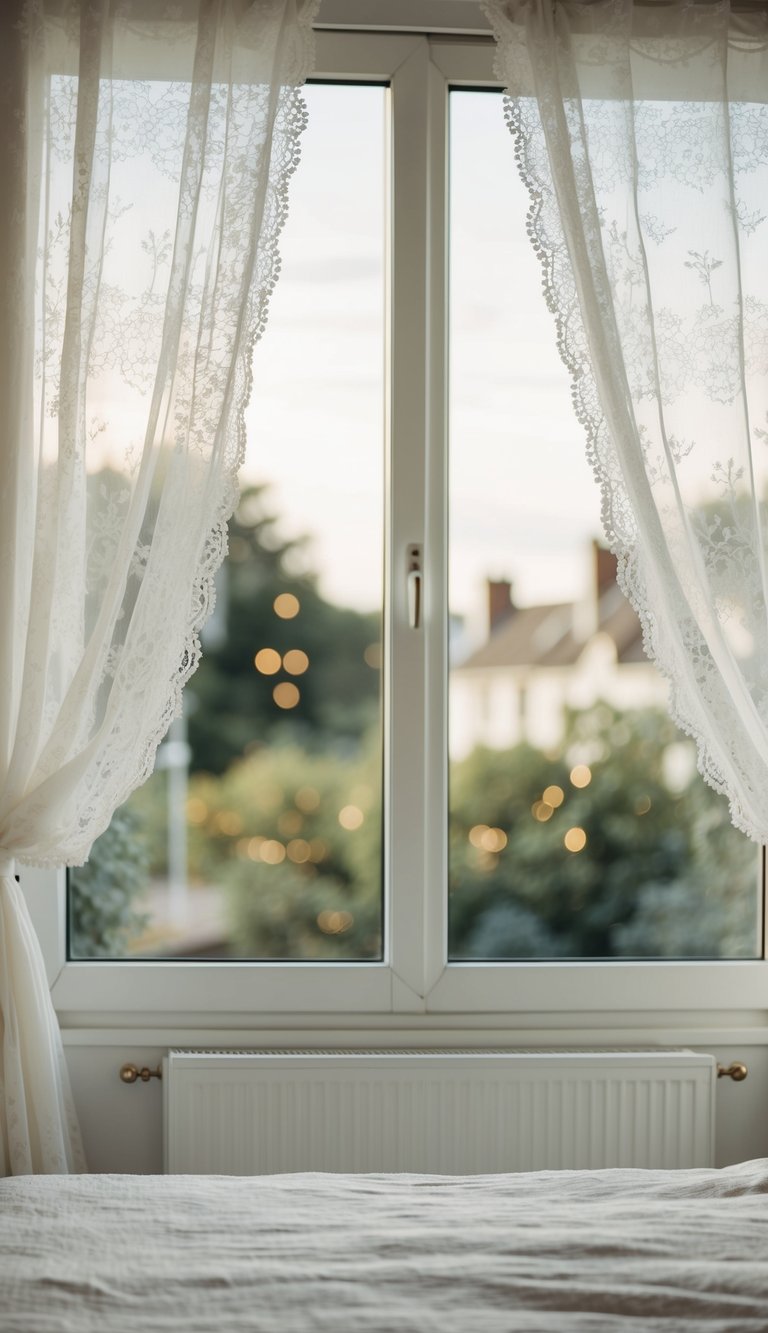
(523,501)
(524,504)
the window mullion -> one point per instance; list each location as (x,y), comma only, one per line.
(406,821)
(436,741)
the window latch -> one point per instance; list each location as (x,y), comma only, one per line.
(414,585)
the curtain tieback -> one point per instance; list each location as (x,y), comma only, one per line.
(7,863)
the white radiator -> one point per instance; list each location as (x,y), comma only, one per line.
(458,1113)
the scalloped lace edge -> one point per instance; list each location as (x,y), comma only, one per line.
(552,252)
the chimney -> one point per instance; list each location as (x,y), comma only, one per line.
(500,604)
(586,611)
(606,568)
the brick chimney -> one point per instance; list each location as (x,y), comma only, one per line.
(586,609)
(606,568)
(500,604)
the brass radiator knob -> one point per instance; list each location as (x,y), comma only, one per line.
(737,1071)
(130,1073)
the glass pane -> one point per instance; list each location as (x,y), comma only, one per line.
(578,824)
(259,833)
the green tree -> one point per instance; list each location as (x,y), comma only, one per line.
(295,841)
(231,714)
(234,707)
(651,856)
(103,892)
(709,910)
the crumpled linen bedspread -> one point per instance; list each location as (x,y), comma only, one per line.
(559,1251)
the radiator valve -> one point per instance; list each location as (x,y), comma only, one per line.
(129,1074)
(737,1071)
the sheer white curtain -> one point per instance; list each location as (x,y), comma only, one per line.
(642,133)
(144,161)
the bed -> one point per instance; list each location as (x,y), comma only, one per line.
(559,1251)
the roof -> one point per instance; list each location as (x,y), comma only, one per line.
(543,636)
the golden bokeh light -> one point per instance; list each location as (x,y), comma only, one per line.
(493,840)
(286,695)
(229,822)
(581,775)
(487,839)
(307,799)
(372,656)
(643,805)
(197,810)
(254,847)
(318,849)
(575,840)
(335,923)
(299,851)
(553,796)
(295,662)
(351,817)
(542,811)
(272,851)
(267,661)
(286,606)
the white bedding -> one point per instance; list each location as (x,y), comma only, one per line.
(559,1251)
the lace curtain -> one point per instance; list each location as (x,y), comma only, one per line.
(144,160)
(642,134)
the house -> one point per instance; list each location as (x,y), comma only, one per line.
(539,662)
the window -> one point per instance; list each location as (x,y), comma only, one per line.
(579,826)
(270,847)
(427,452)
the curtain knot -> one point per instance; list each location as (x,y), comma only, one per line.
(7,863)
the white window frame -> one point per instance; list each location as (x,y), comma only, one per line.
(414,977)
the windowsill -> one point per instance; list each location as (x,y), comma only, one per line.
(256,995)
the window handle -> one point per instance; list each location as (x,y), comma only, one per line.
(414,586)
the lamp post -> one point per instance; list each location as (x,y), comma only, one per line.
(174,756)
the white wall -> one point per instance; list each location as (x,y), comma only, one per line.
(485,704)
(122,1123)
